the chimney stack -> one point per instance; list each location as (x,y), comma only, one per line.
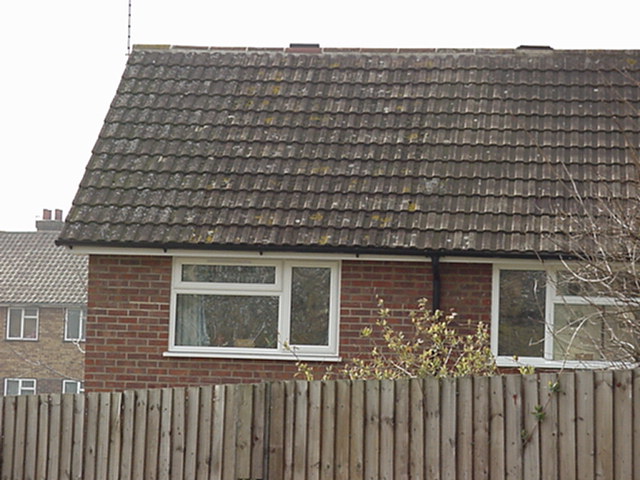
(47,224)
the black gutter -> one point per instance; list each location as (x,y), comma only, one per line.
(436,282)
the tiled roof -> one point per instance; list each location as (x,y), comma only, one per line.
(33,270)
(457,151)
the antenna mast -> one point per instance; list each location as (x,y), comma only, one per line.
(129,30)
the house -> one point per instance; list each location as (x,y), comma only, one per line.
(43,298)
(244,208)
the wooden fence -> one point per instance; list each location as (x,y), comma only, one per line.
(582,426)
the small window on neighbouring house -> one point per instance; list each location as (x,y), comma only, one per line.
(72,386)
(74,324)
(22,324)
(19,386)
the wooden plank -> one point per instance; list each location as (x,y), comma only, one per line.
(448,426)
(496,428)
(314,418)
(139,438)
(533,415)
(584,426)
(204,433)
(31,440)
(259,431)
(300,429)
(603,435)
(481,441)
(92,401)
(66,436)
(623,413)
(43,436)
(401,430)
(115,435)
(20,437)
(387,403)
(549,394)
(128,418)
(275,461)
(636,424)
(217,435)
(327,444)
(164,447)
(78,436)
(192,421)
(356,427)
(230,421)
(102,445)
(8,438)
(567,427)
(372,429)
(244,397)
(431,389)
(513,427)
(154,407)
(416,430)
(342,430)
(178,405)
(464,424)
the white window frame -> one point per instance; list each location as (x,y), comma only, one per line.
(551,300)
(22,318)
(79,386)
(281,288)
(83,322)
(22,390)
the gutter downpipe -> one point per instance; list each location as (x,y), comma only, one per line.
(437,283)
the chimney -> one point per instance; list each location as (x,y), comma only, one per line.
(304,48)
(49,225)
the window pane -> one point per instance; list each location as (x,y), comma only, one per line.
(228,274)
(73,324)
(310,291)
(70,386)
(30,327)
(522,313)
(28,387)
(15,323)
(13,387)
(227,321)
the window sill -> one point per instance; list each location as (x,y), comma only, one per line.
(305,357)
(536,362)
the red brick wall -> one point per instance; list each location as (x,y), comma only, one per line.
(128,324)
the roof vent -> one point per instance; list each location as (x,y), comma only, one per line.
(534,47)
(304,48)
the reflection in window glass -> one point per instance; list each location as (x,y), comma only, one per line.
(310,291)
(229,274)
(227,321)
(74,327)
(15,323)
(522,313)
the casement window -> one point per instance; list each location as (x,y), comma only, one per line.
(74,325)
(542,317)
(249,309)
(22,323)
(19,386)
(72,386)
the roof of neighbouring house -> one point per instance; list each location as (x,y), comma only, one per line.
(396,151)
(33,270)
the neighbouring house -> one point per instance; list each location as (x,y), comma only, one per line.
(244,208)
(43,300)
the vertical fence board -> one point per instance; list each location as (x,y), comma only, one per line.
(300,429)
(128,418)
(20,437)
(533,416)
(154,399)
(603,385)
(115,436)
(387,403)
(139,438)
(9,426)
(258,444)
(178,404)
(164,447)
(372,429)
(192,421)
(464,427)
(289,417)
(78,436)
(230,433)
(217,437)
(92,401)
(584,425)
(549,426)
(327,441)
(243,430)
(431,389)
(31,437)
(481,428)
(276,431)
(623,413)
(401,431)
(343,413)
(66,436)
(204,433)
(314,413)
(566,427)
(448,427)
(513,426)
(636,424)
(416,443)
(496,428)
(357,421)
(102,443)
(43,436)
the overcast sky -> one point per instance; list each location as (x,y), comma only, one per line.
(62,60)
